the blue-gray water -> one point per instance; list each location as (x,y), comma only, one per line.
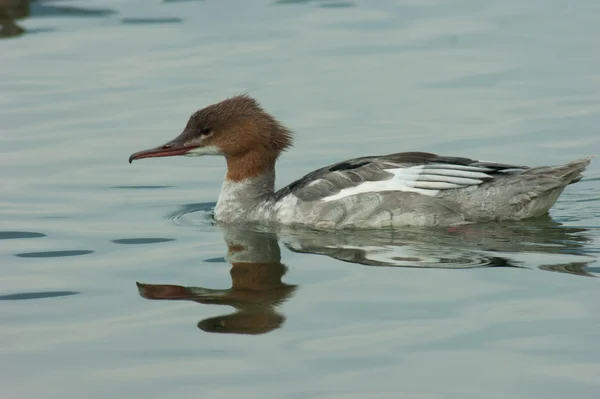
(113,279)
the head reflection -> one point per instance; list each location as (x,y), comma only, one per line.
(256,287)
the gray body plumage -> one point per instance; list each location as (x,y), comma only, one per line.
(411,188)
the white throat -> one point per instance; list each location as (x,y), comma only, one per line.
(245,200)
(201,151)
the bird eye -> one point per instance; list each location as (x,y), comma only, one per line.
(205,131)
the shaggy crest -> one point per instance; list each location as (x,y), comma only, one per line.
(242,116)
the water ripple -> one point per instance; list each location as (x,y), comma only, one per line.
(53,254)
(148,21)
(202,213)
(137,241)
(11,235)
(36,295)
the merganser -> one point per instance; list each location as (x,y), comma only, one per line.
(406,188)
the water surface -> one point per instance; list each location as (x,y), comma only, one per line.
(115,282)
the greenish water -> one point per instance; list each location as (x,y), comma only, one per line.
(114,282)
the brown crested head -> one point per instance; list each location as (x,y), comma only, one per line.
(233,127)
(238,125)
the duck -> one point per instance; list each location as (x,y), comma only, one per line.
(370,192)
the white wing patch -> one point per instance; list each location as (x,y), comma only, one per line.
(423,179)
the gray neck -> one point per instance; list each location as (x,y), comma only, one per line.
(243,200)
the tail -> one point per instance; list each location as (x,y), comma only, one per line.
(560,175)
(522,194)
(544,184)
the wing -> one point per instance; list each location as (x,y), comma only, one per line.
(416,172)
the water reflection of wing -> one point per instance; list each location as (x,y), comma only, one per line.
(469,246)
(256,289)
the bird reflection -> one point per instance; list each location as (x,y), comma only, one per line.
(461,247)
(256,289)
(256,272)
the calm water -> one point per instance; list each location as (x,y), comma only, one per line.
(113,277)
